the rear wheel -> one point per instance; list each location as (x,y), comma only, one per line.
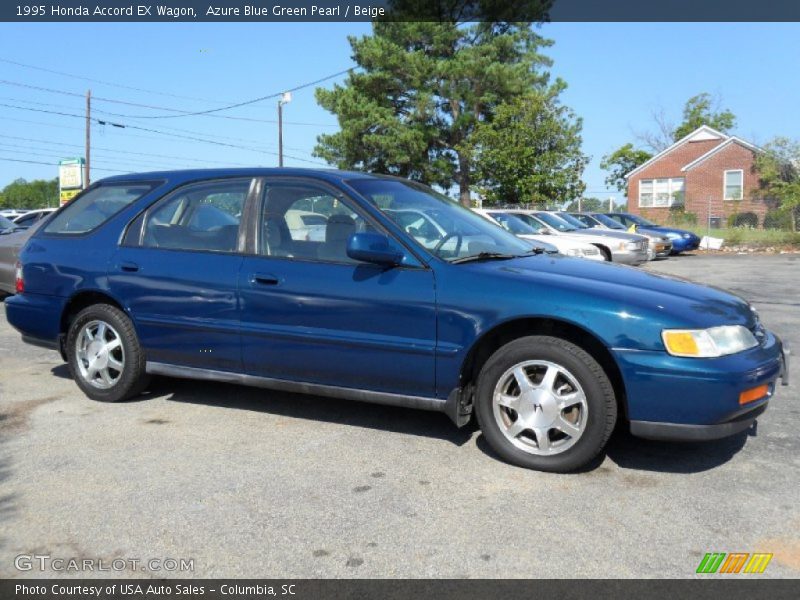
(545,403)
(104,355)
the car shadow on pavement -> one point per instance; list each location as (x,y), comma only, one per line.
(629,452)
(312,408)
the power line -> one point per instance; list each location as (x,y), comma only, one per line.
(109,83)
(196,139)
(138,104)
(186,158)
(39,162)
(247,102)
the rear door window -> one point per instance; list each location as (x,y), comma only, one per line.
(203,216)
(94,207)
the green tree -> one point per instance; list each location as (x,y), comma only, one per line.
(39,193)
(530,152)
(621,162)
(701,110)
(779,170)
(422,88)
(587,205)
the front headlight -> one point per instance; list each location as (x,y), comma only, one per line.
(630,246)
(708,343)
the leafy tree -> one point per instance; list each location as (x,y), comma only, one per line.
(530,152)
(621,162)
(39,193)
(587,205)
(701,110)
(422,89)
(779,170)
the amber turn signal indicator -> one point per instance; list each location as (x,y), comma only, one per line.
(753,394)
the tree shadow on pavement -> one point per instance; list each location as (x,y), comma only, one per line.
(312,408)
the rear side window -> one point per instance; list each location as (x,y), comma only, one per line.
(93,208)
(204,217)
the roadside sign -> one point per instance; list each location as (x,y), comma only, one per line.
(70,178)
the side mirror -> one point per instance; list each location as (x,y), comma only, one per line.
(373,248)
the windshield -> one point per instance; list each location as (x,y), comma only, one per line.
(554,221)
(641,221)
(576,223)
(608,221)
(513,223)
(5,223)
(447,229)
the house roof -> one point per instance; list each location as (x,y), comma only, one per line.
(701,134)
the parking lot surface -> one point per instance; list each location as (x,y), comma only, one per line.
(248,482)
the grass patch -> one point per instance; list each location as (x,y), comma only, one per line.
(754,237)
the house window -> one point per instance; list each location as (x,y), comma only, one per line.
(661,192)
(734,184)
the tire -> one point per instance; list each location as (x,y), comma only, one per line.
(104,355)
(564,415)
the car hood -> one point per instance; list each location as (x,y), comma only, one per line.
(672,299)
(666,230)
(610,233)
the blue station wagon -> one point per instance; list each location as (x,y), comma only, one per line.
(200,274)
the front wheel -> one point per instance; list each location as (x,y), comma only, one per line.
(104,355)
(544,403)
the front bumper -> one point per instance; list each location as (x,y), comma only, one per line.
(683,244)
(681,432)
(691,399)
(629,257)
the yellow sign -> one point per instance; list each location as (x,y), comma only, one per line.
(67,195)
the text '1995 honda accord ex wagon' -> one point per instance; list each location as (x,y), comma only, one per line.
(373,288)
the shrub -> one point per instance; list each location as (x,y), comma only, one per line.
(778,219)
(746,220)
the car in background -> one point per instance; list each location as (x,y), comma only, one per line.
(12,213)
(514,224)
(682,240)
(306,225)
(6,224)
(32,216)
(660,245)
(625,248)
(11,241)
(555,225)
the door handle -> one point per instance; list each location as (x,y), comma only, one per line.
(264,279)
(129,267)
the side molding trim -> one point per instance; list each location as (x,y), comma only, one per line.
(330,391)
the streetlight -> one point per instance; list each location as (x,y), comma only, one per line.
(285,99)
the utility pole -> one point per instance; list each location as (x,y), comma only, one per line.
(88,136)
(285,99)
(280,133)
(611,204)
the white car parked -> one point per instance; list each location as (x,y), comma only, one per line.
(521,229)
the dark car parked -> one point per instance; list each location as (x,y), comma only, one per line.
(682,240)
(196,274)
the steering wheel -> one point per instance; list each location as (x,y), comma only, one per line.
(444,240)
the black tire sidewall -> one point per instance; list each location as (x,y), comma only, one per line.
(133,377)
(600,400)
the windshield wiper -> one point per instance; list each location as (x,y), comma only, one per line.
(483,256)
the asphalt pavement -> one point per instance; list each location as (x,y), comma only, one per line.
(251,483)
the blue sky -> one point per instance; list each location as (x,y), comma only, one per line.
(617,75)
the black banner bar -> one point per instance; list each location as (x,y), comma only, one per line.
(222,11)
(745,587)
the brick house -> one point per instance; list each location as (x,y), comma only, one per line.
(705,168)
